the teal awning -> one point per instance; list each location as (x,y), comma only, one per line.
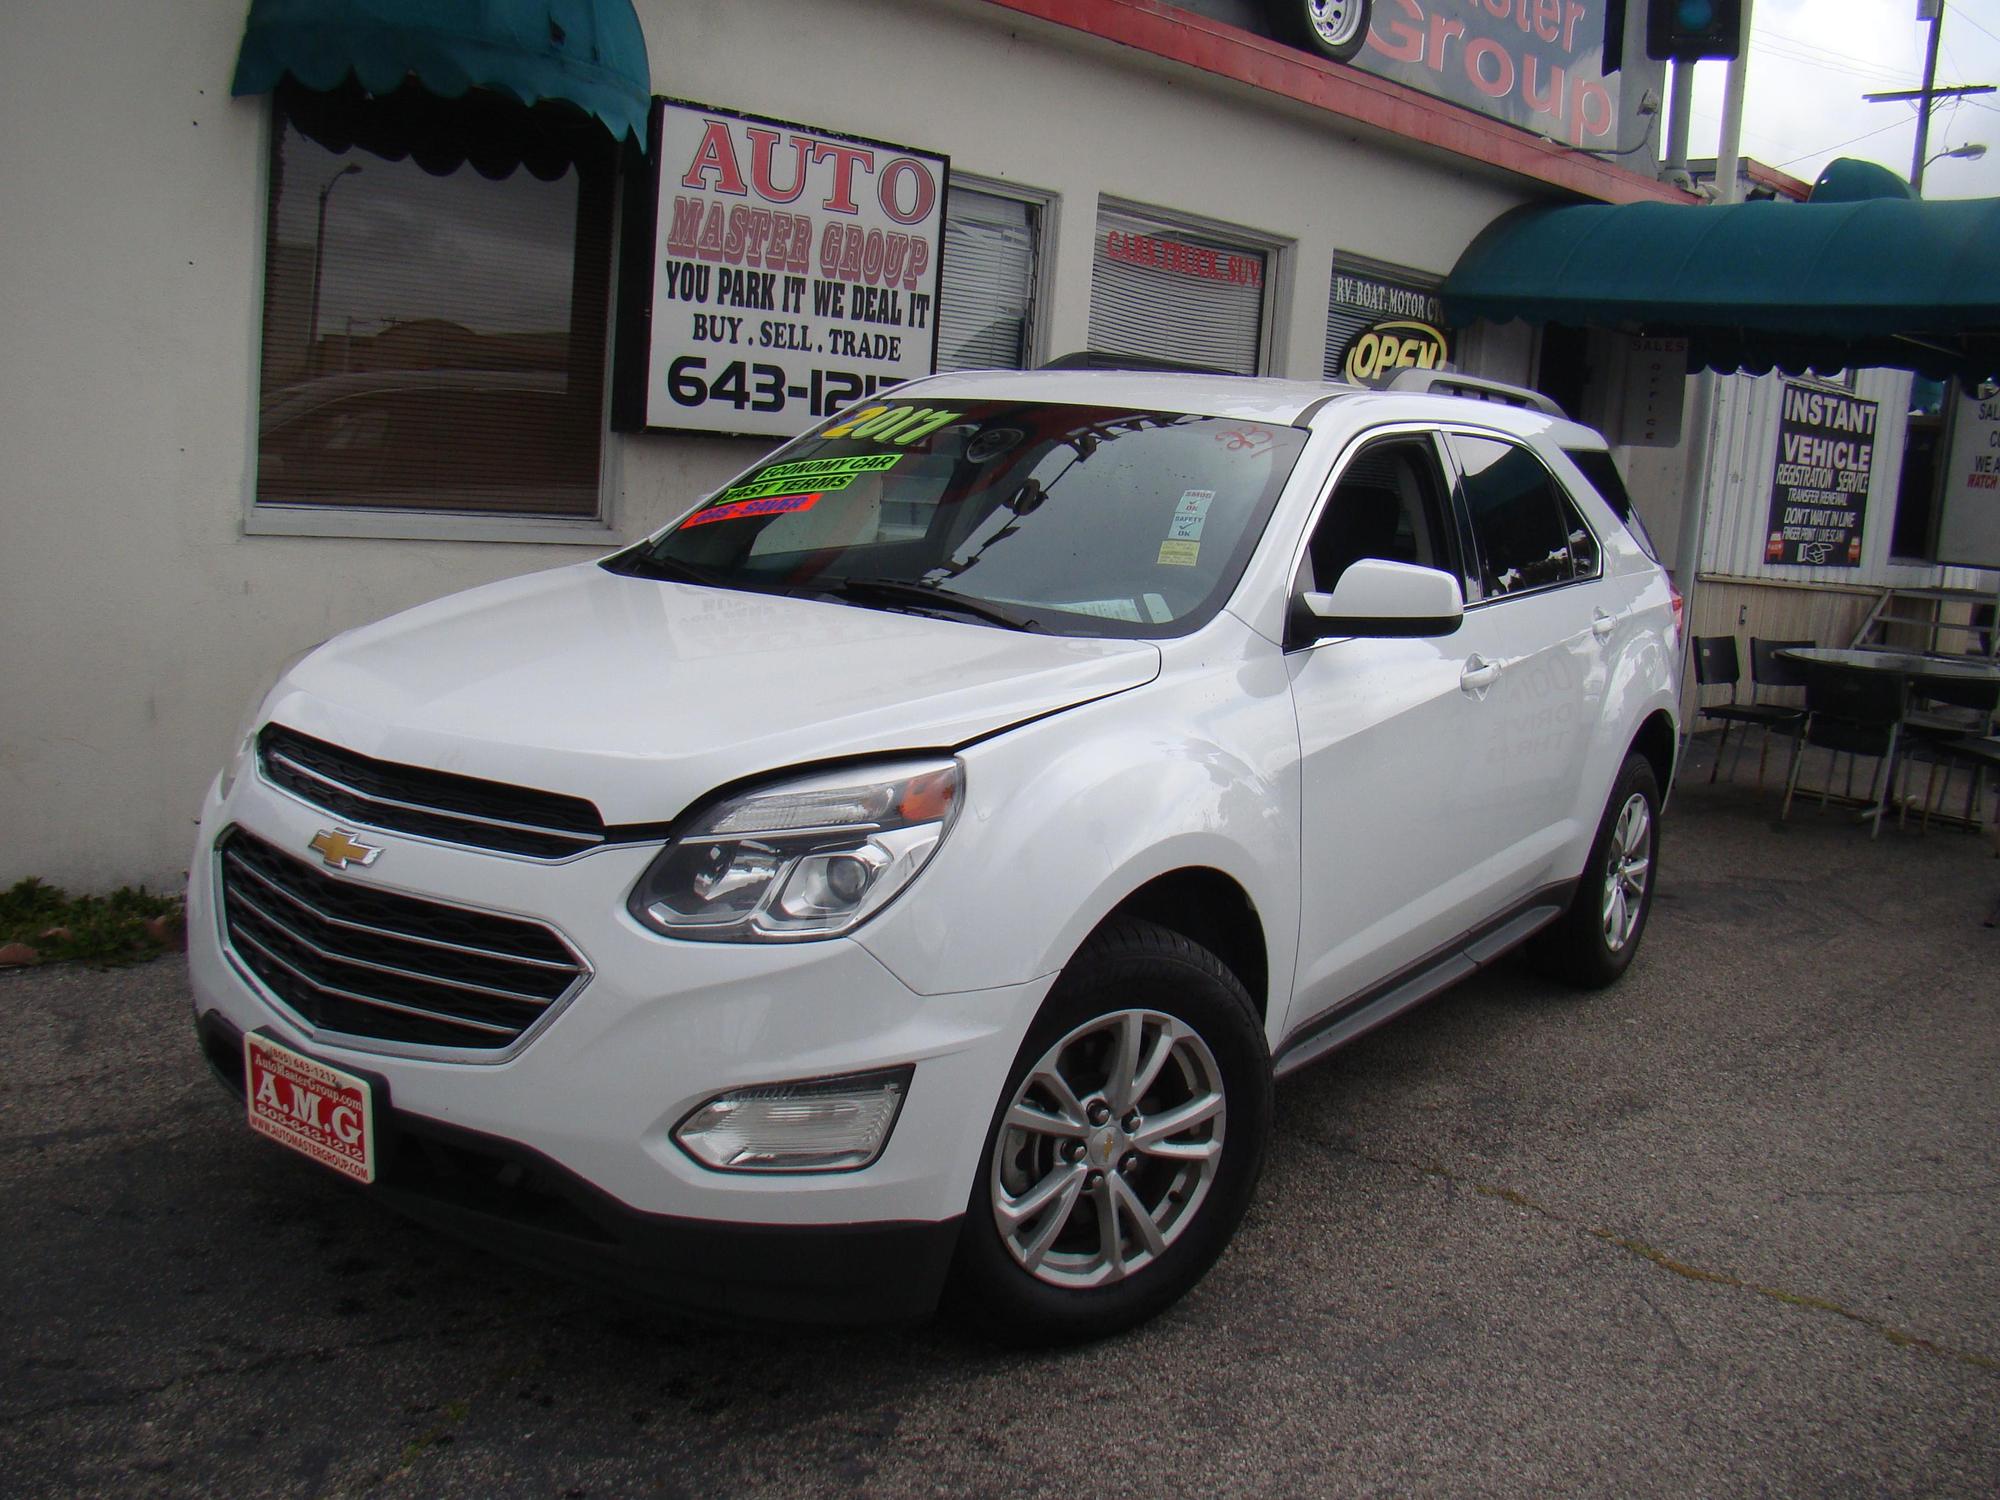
(1898,282)
(589,53)
(1848,179)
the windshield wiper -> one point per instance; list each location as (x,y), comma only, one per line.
(926,596)
(640,563)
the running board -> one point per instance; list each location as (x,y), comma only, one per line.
(1335,1028)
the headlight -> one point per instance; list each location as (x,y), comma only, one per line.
(809,858)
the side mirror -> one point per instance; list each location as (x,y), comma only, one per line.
(1378,598)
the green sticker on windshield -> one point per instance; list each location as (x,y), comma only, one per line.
(821,474)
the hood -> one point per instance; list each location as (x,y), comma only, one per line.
(643,695)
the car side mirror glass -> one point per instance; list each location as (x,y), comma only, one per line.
(1378,598)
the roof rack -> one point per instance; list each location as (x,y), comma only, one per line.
(1451,383)
(1102,359)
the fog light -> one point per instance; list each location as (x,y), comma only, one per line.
(820,1125)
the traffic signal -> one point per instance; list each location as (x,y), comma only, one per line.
(1687,29)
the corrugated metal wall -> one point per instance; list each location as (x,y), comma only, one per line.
(1743,453)
(1739,593)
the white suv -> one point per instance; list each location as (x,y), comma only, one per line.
(906,874)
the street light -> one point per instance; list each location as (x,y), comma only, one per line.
(319,256)
(1970,152)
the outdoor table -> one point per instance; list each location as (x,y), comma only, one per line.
(1915,667)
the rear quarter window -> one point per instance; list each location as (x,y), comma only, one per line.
(1602,472)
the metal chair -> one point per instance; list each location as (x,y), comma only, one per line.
(1950,740)
(1856,712)
(1716,664)
(1979,755)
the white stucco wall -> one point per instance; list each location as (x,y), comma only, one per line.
(140,621)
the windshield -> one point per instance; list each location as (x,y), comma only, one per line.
(1071,520)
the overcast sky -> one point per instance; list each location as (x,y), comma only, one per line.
(1812,60)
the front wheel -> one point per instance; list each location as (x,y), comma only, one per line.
(1335,29)
(1593,942)
(1125,1145)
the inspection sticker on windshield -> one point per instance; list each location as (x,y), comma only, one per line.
(1190,516)
(318,1111)
(769,505)
(1179,554)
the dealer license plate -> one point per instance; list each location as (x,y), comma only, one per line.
(318,1111)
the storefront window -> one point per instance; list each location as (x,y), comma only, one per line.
(1161,291)
(434,307)
(986,292)
(1382,320)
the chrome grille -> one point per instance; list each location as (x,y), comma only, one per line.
(365,962)
(431,804)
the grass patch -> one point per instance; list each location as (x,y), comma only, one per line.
(123,927)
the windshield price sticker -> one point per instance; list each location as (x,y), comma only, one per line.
(316,1110)
(770,505)
(794,271)
(1179,554)
(820,474)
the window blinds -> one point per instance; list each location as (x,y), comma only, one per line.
(986,287)
(1168,293)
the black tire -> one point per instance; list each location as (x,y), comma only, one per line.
(1335,29)
(1583,947)
(1178,990)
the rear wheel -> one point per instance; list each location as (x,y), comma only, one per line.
(1593,942)
(1124,1148)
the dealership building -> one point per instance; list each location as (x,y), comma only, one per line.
(318,309)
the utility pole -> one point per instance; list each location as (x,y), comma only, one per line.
(1930,93)
(1936,8)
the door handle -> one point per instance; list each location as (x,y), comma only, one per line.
(1479,674)
(1601,625)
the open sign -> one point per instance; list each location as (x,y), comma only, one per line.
(1378,352)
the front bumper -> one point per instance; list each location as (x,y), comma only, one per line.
(503,1196)
(585,1108)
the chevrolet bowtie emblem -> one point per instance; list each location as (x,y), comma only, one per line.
(340,849)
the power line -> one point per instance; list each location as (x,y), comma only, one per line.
(1961,14)
(1796,50)
(1898,125)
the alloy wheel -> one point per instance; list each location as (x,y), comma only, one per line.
(1628,865)
(1108,1148)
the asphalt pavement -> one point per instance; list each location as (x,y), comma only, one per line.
(1731,1227)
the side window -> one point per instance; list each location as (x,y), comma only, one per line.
(1517,515)
(1389,504)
